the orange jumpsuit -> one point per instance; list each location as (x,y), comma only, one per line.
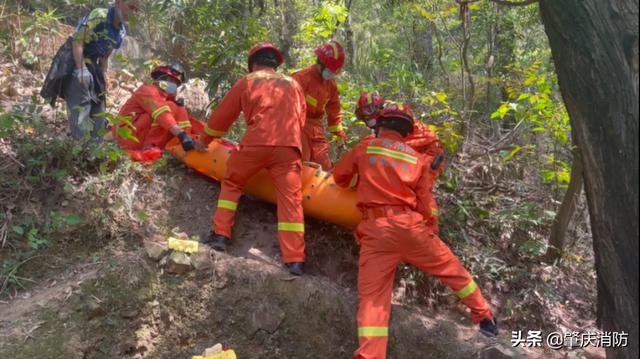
(321,96)
(152,114)
(393,194)
(273,107)
(425,141)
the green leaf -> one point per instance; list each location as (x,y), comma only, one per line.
(73,219)
(142,215)
(18,229)
(502,110)
(532,247)
(127,134)
(511,153)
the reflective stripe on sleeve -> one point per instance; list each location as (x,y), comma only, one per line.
(467,290)
(160,111)
(184,124)
(214,133)
(336,128)
(291,227)
(311,100)
(373,331)
(227,204)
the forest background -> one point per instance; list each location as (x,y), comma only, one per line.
(479,72)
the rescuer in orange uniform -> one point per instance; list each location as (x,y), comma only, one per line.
(321,95)
(393,195)
(274,107)
(156,117)
(422,139)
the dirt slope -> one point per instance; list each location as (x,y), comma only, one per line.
(125,306)
(257,309)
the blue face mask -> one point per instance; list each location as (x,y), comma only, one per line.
(168,87)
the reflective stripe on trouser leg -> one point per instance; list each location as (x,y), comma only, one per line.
(376,271)
(435,258)
(478,305)
(241,166)
(224,215)
(285,172)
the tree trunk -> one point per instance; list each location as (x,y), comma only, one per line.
(595,50)
(565,213)
(349,35)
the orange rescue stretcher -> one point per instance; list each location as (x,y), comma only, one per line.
(321,197)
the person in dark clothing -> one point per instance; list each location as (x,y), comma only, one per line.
(78,70)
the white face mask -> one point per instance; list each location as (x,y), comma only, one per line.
(327,74)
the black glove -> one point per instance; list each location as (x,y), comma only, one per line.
(179,101)
(437,161)
(186,141)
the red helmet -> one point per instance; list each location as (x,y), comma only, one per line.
(368,107)
(264,46)
(331,54)
(397,111)
(174,71)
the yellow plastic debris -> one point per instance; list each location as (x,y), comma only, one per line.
(228,354)
(182,245)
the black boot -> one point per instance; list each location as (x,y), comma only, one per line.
(216,241)
(295,268)
(489,327)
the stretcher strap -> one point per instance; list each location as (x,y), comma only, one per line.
(373,331)
(381,151)
(467,290)
(227,204)
(290,227)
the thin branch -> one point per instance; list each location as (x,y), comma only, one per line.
(515,3)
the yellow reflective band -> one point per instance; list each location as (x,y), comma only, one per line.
(381,151)
(291,227)
(311,100)
(184,124)
(373,331)
(435,212)
(227,204)
(214,133)
(467,290)
(160,111)
(335,49)
(336,128)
